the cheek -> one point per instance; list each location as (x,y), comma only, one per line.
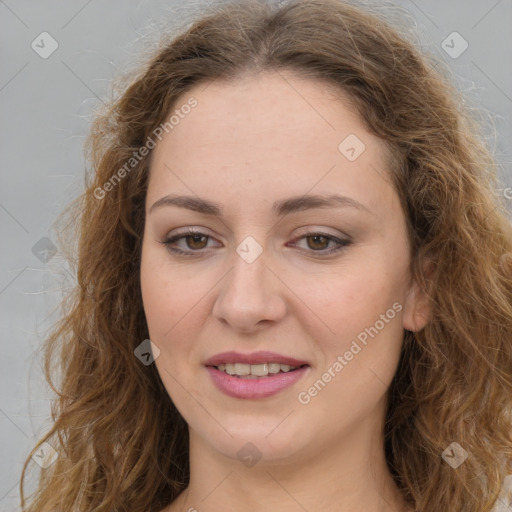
(176,306)
(165,308)
(362,307)
(169,311)
(158,306)
(164,297)
(351,297)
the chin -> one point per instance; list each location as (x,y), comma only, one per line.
(267,443)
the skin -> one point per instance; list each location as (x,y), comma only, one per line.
(247,144)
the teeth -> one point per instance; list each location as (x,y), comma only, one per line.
(274,368)
(242,369)
(260,370)
(253,371)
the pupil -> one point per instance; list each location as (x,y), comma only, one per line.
(195,239)
(316,238)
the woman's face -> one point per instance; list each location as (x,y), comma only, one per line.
(300,260)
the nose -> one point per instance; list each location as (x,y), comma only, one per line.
(250,296)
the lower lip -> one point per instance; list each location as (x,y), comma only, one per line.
(238,387)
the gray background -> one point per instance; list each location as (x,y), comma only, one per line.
(46,106)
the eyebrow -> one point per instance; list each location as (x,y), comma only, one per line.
(279,208)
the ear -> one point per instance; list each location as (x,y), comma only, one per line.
(417,310)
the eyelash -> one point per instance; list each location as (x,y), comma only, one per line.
(342,244)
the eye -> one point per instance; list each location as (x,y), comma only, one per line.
(318,242)
(195,242)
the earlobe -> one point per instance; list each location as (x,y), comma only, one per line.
(417,310)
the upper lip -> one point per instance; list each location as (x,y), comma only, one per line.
(253,358)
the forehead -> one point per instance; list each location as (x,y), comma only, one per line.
(269,133)
(273,104)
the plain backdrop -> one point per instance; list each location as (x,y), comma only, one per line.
(58,60)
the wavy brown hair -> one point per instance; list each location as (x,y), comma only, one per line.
(122,444)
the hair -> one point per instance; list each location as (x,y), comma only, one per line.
(121,443)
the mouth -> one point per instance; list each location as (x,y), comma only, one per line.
(254,376)
(256,371)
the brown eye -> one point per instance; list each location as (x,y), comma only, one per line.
(189,243)
(196,241)
(318,242)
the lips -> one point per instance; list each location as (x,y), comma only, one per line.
(253,358)
(251,386)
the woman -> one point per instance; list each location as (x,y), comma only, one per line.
(291,205)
